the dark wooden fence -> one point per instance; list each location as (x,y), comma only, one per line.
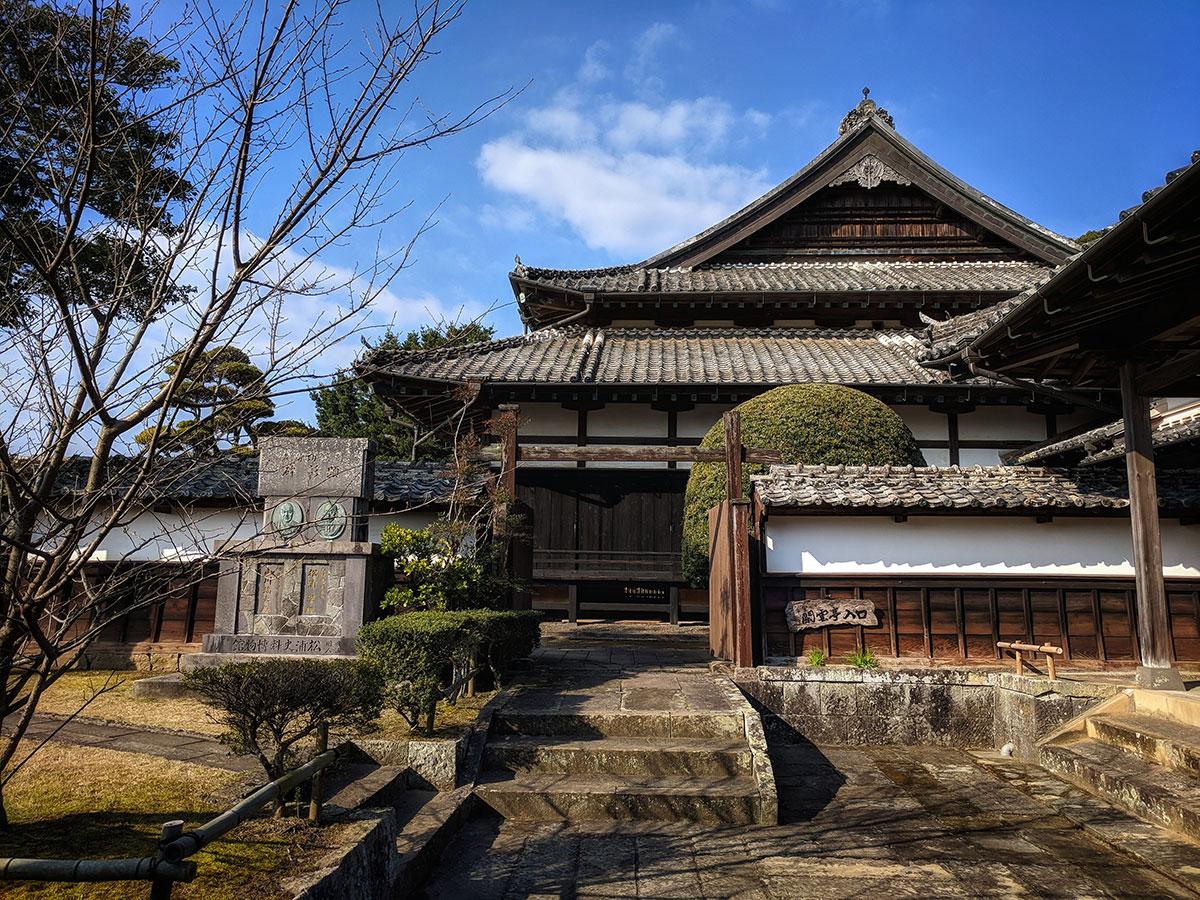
(961,618)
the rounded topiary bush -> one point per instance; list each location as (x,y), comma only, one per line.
(812,424)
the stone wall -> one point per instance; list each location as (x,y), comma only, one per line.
(965,708)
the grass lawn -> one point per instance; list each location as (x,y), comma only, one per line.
(84,801)
(117,705)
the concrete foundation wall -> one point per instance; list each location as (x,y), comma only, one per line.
(964,708)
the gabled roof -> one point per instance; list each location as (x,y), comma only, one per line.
(953,489)
(870,151)
(873,138)
(661,356)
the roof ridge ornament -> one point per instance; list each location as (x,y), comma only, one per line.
(862,114)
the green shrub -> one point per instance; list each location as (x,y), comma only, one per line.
(424,657)
(812,424)
(503,635)
(863,659)
(816,657)
(432,572)
(417,656)
(270,705)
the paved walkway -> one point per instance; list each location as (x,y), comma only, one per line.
(883,822)
(568,679)
(199,749)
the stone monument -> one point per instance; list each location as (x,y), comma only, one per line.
(313,578)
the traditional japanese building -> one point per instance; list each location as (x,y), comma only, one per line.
(836,275)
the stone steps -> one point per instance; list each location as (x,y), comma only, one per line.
(620,724)
(1150,791)
(538,796)
(1154,739)
(635,757)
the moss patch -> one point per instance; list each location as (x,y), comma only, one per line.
(85,801)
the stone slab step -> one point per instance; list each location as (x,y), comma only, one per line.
(545,797)
(630,757)
(1153,738)
(1149,791)
(659,724)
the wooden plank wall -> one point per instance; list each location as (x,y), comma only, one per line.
(721,619)
(962,618)
(183,615)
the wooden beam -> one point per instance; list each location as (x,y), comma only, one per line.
(595,453)
(733,454)
(1155,382)
(1154,636)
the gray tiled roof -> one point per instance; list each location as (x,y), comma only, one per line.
(1107,442)
(822,276)
(235,479)
(954,488)
(576,354)
(950,335)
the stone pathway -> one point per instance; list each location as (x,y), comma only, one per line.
(879,822)
(199,749)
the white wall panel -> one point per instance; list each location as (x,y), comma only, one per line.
(923,422)
(694,423)
(626,420)
(999,423)
(968,545)
(549,419)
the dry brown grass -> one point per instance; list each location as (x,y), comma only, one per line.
(116,704)
(84,801)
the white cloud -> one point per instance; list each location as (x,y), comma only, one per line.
(632,203)
(629,176)
(645,55)
(592,69)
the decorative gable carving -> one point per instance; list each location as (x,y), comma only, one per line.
(869,172)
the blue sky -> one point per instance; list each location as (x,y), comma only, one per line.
(643,123)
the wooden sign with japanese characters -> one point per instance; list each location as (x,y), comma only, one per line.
(826,611)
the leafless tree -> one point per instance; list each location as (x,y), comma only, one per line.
(167,190)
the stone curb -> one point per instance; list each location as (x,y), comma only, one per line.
(764,773)
(352,872)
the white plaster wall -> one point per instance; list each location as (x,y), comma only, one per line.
(936,456)
(419,519)
(923,422)
(968,545)
(977,457)
(151,535)
(626,420)
(998,423)
(549,419)
(694,423)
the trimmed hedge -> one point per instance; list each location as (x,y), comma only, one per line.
(812,424)
(427,656)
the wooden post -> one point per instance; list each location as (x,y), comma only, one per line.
(508,452)
(673,599)
(573,604)
(160,888)
(739,548)
(733,455)
(1154,635)
(315,799)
